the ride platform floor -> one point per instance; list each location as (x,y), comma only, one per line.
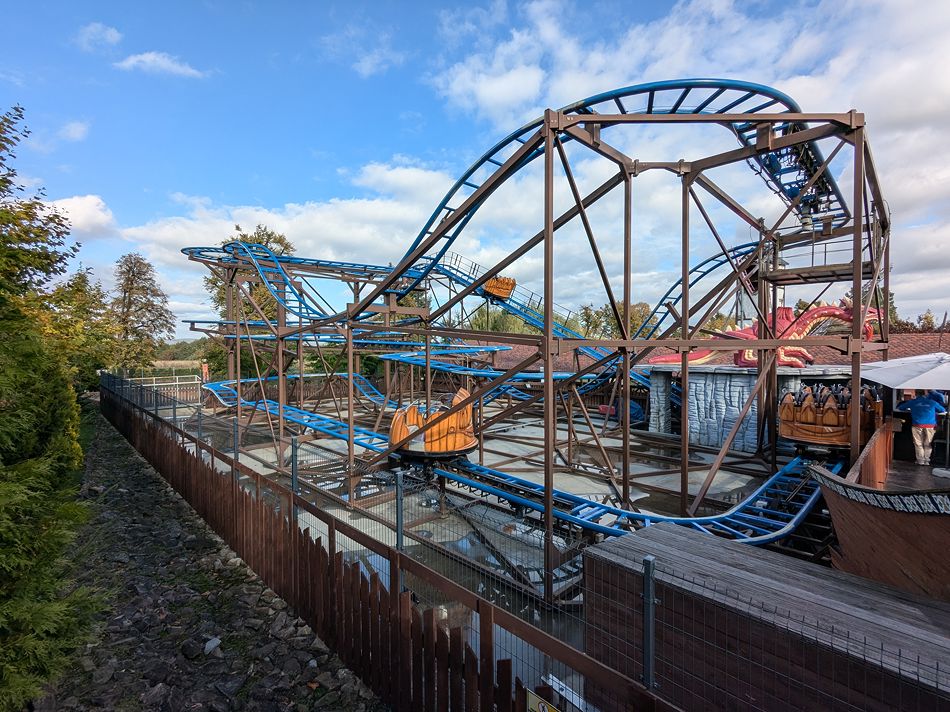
(791,609)
(906,476)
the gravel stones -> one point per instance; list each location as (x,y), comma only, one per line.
(187,625)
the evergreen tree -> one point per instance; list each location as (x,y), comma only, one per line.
(140,312)
(42,617)
(33,247)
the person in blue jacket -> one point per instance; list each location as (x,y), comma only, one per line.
(923,417)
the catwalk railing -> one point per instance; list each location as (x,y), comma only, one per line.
(416,637)
(870,469)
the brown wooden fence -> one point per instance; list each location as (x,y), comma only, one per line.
(403,653)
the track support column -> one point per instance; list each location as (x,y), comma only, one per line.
(857,275)
(350,414)
(548,351)
(684,353)
(624,400)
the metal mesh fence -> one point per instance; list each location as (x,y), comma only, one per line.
(698,645)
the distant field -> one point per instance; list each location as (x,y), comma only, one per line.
(177,364)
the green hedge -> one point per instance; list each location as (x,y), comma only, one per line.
(43,615)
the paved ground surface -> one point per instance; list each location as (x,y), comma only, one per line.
(187,625)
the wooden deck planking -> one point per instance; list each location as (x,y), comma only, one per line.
(906,476)
(874,615)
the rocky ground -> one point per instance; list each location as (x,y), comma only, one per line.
(186,625)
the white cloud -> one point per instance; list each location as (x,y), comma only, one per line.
(29,182)
(409,182)
(375,228)
(46,141)
(879,57)
(371,46)
(472,23)
(878,64)
(159,63)
(378,59)
(96,36)
(12,77)
(74,131)
(89,216)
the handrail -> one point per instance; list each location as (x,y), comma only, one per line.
(591,668)
(882,439)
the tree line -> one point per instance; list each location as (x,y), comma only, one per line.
(56,331)
(97,329)
(43,617)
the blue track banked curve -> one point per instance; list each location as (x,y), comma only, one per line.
(769,514)
(225,391)
(786,171)
(462,272)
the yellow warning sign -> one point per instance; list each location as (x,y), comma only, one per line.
(536,704)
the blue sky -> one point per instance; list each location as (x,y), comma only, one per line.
(343,124)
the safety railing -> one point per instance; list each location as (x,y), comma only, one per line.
(392,602)
(437,598)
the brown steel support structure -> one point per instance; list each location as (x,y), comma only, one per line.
(857,331)
(548,351)
(684,352)
(625,329)
(748,275)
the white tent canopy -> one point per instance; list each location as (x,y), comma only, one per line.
(924,372)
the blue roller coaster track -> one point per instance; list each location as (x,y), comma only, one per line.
(769,514)
(271,268)
(786,171)
(772,512)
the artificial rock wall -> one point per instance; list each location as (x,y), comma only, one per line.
(715,400)
(716,395)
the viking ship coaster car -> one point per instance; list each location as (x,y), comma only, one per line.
(451,437)
(821,415)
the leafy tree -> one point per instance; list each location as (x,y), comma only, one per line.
(79,322)
(801,305)
(591,320)
(720,322)
(213,353)
(217,358)
(140,311)
(491,318)
(639,317)
(188,350)
(276,243)
(927,322)
(33,247)
(898,325)
(418,298)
